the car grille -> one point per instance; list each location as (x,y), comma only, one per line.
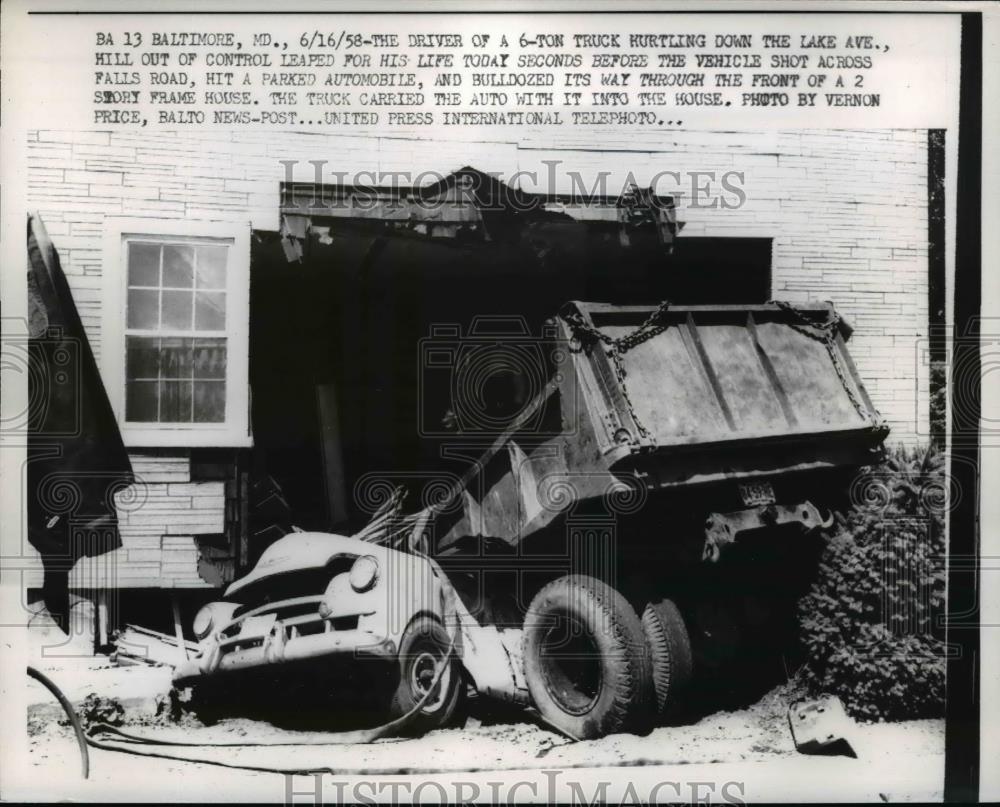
(294,600)
(292,585)
(298,616)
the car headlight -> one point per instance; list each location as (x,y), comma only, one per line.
(211,617)
(204,621)
(364,573)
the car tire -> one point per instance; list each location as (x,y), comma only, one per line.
(424,647)
(585,659)
(670,652)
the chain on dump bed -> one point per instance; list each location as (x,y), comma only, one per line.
(824,332)
(616,347)
(819,331)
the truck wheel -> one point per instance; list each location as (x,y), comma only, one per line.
(670,650)
(585,660)
(423,649)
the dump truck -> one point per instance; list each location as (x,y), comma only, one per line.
(668,456)
(660,463)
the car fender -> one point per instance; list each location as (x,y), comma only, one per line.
(299,551)
(406,585)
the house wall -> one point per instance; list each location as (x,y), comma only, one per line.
(846,210)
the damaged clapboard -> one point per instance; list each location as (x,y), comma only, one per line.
(143,645)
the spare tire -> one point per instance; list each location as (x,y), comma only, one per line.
(670,650)
(585,659)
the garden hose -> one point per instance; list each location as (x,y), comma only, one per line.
(81,738)
(358,736)
(337,738)
(99,731)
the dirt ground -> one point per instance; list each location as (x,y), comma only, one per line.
(899,761)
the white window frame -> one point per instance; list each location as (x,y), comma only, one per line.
(235,430)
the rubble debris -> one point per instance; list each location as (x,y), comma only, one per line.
(100,709)
(821,726)
(135,643)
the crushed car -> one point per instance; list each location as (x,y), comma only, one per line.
(335,601)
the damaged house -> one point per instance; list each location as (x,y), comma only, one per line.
(277,340)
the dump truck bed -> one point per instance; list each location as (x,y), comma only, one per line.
(702,375)
(690,401)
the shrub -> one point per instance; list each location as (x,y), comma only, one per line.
(871,625)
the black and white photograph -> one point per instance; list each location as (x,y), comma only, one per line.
(438,403)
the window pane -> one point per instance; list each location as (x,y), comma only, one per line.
(212,267)
(142,357)
(143,264)
(175,361)
(175,402)
(210,311)
(178,266)
(177,310)
(143,309)
(140,401)
(209,401)
(176,288)
(210,358)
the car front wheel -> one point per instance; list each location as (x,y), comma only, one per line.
(427,664)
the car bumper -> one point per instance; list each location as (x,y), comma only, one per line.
(227,656)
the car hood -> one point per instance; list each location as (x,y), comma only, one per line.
(303,550)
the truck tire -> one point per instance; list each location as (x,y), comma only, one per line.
(585,659)
(670,651)
(425,646)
